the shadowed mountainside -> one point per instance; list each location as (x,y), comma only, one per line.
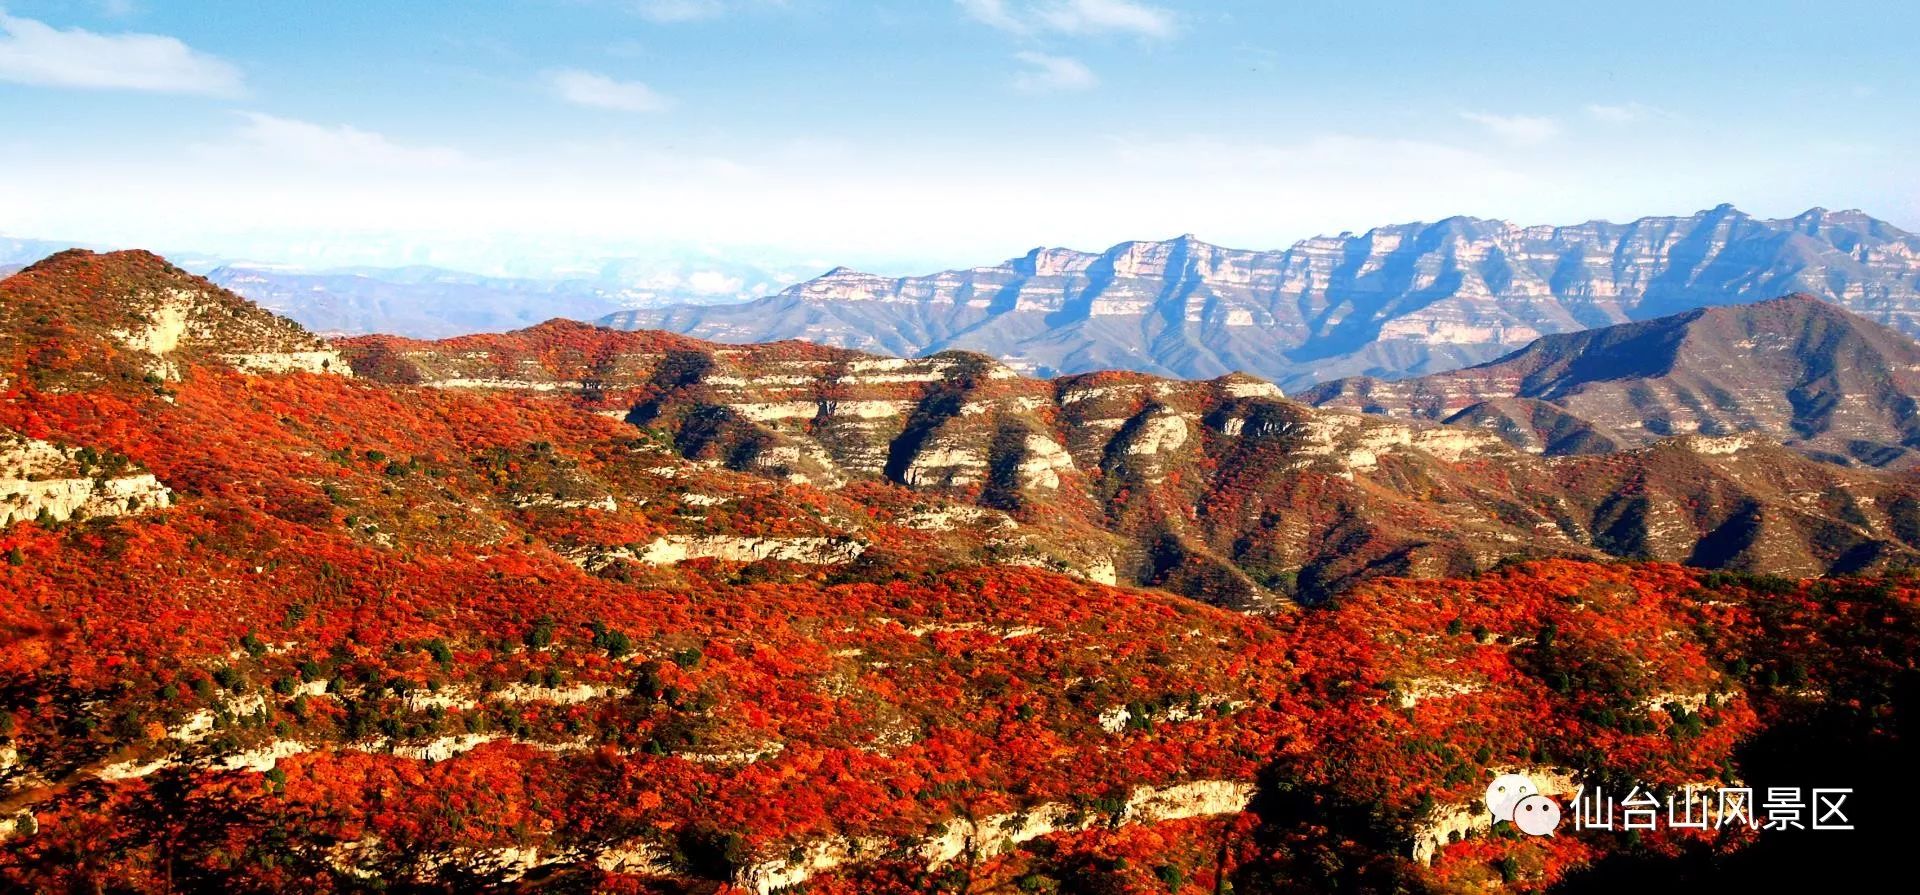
(1796,370)
(1217,488)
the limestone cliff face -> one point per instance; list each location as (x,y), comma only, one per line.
(670,549)
(1220,488)
(998,834)
(1398,300)
(39,480)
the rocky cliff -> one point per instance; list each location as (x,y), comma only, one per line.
(1398,300)
(50,483)
(1219,488)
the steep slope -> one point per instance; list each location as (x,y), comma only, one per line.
(347,569)
(1219,489)
(80,317)
(1796,370)
(476,631)
(1395,301)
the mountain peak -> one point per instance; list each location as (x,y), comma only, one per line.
(1794,305)
(147,317)
(1797,368)
(99,286)
(1806,298)
(126,261)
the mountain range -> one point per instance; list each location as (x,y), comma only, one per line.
(1224,490)
(575,609)
(432,302)
(1395,301)
(435,302)
(1718,437)
(426,301)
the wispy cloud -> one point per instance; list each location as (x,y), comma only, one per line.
(672,11)
(33,52)
(1082,16)
(272,138)
(1522,130)
(1050,74)
(679,10)
(992,13)
(585,88)
(1073,17)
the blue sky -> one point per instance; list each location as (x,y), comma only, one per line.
(536,135)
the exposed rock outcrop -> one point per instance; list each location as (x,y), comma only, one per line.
(1453,822)
(997,834)
(1397,300)
(40,480)
(1219,489)
(672,549)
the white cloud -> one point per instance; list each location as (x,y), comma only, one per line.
(317,193)
(584,88)
(1616,114)
(992,13)
(673,11)
(33,52)
(364,197)
(1083,16)
(1521,130)
(679,10)
(274,140)
(1050,74)
(713,282)
(1077,17)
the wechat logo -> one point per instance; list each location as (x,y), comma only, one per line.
(1514,798)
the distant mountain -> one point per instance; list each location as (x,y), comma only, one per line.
(434,302)
(444,305)
(1797,370)
(18,253)
(1399,300)
(431,302)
